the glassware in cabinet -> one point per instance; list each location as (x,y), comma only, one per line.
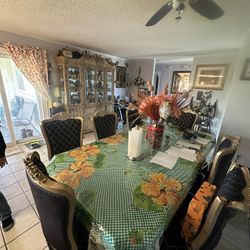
(110,86)
(100,89)
(90,82)
(74,84)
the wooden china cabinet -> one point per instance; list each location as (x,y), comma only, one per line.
(86,85)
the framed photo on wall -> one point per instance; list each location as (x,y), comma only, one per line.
(245,74)
(180,81)
(210,76)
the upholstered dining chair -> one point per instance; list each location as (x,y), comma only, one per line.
(221,209)
(105,124)
(62,133)
(55,204)
(133,118)
(223,159)
(185,121)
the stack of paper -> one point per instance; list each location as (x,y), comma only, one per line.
(185,153)
(181,143)
(164,159)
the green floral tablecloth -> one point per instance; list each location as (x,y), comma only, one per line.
(129,204)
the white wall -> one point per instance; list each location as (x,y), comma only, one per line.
(167,70)
(147,71)
(236,120)
(219,95)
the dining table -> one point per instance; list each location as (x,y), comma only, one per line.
(125,204)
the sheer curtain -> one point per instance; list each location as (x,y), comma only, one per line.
(32,62)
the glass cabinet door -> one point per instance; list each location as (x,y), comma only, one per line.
(100,89)
(89,76)
(74,83)
(109,86)
(61,84)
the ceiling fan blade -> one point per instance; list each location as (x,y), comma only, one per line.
(163,11)
(207,8)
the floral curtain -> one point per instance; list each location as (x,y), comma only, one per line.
(32,62)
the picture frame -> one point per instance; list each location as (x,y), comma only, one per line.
(210,76)
(180,81)
(245,74)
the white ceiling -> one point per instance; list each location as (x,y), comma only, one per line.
(117,27)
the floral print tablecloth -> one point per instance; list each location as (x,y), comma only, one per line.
(128,204)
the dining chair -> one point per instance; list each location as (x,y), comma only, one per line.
(133,118)
(55,204)
(62,133)
(105,124)
(185,121)
(215,218)
(223,159)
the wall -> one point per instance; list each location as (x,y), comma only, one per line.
(166,70)
(147,73)
(219,95)
(52,49)
(236,117)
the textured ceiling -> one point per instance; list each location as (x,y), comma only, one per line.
(117,27)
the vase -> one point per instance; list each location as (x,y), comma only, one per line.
(155,135)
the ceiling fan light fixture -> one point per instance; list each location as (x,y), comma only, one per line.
(206,8)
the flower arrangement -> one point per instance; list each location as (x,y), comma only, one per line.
(160,107)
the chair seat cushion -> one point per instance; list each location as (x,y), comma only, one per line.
(196,210)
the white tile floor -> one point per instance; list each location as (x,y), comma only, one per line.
(27,233)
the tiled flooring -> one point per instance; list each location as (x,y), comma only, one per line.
(27,233)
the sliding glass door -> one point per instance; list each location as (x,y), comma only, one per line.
(19,114)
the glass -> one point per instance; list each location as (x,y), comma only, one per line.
(22,101)
(74,82)
(90,80)
(100,87)
(61,84)
(109,86)
(3,124)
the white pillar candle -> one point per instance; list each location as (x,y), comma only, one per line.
(135,142)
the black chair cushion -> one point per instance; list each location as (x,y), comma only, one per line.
(223,166)
(53,210)
(232,186)
(224,144)
(63,135)
(185,121)
(105,125)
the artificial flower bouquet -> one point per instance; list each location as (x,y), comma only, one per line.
(158,108)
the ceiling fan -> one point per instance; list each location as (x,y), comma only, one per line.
(206,8)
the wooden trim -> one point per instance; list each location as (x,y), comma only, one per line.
(211,218)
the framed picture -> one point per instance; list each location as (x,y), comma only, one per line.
(211,76)
(245,74)
(180,81)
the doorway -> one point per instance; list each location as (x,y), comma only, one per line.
(19,104)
